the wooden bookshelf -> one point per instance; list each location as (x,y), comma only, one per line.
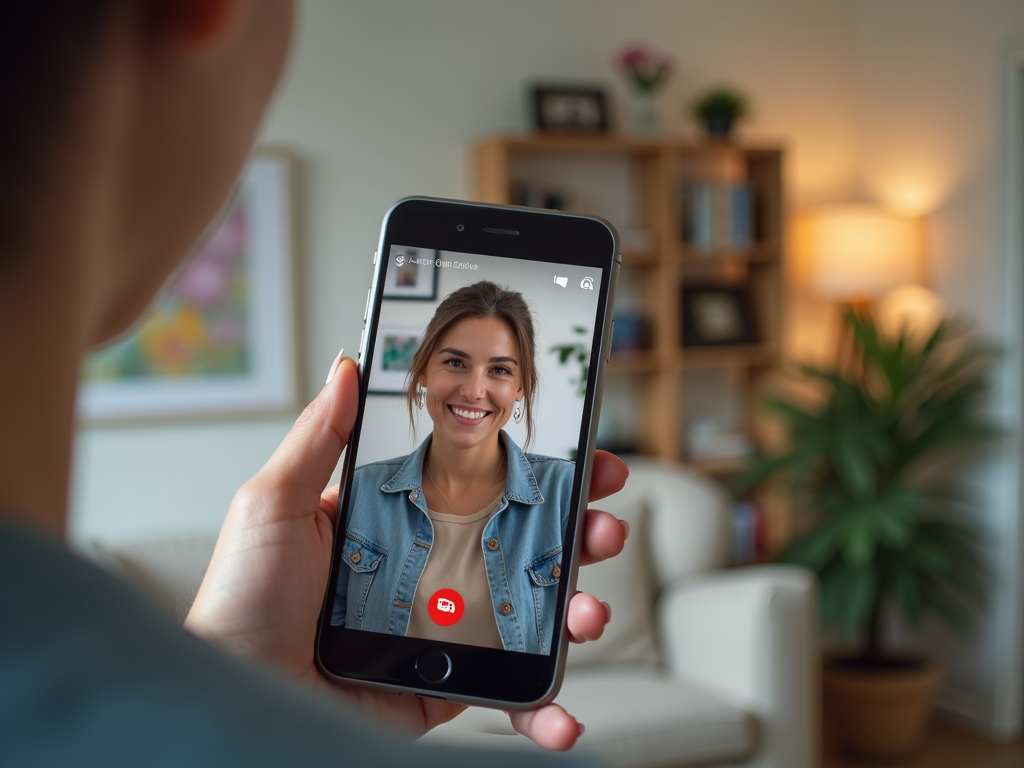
(647,175)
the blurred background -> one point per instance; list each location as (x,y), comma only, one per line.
(912,106)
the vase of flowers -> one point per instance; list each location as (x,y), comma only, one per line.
(646,72)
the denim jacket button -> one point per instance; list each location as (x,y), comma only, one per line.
(505,608)
(555,571)
(355,557)
(414,496)
(492,544)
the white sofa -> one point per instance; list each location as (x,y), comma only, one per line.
(700,666)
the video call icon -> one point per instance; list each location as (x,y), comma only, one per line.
(446,607)
(561,281)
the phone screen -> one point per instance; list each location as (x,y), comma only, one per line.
(477,368)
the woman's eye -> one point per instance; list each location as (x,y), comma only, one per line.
(502,370)
(453,362)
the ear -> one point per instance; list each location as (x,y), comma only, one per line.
(422,380)
(196,24)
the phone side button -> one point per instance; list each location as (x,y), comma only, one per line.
(375,258)
(611,335)
(434,666)
(366,309)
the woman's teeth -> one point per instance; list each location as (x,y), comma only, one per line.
(468,414)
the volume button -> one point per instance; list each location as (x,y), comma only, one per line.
(375,258)
(611,335)
(366,309)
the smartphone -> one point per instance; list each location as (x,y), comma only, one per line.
(487,330)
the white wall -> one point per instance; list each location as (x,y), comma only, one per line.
(894,100)
(932,86)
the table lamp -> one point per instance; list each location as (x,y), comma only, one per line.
(858,252)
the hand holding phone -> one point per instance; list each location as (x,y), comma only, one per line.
(456,547)
(262,591)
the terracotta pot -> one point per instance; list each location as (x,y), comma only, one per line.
(882,711)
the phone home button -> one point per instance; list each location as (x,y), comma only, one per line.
(434,666)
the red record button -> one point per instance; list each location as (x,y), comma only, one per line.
(446,607)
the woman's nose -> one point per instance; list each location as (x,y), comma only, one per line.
(473,386)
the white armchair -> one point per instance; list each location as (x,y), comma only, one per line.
(700,665)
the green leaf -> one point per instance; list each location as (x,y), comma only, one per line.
(852,465)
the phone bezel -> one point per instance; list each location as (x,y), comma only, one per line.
(486,676)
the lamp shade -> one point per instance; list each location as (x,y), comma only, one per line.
(860,252)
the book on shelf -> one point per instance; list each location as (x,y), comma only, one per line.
(715,215)
(749,532)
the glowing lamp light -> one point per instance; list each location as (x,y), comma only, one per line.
(860,252)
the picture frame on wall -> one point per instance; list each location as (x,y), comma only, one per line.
(570,109)
(221,339)
(414,276)
(717,315)
(392,359)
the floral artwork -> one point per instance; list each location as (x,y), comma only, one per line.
(220,339)
(199,325)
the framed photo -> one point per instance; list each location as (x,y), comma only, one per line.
(717,315)
(392,359)
(569,109)
(221,337)
(413,276)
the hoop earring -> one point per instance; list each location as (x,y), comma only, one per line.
(518,410)
(421,397)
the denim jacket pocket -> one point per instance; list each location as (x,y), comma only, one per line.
(363,559)
(546,570)
(545,573)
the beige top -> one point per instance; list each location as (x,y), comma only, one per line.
(456,561)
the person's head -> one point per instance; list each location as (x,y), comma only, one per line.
(126,123)
(476,359)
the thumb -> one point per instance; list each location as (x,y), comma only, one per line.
(306,459)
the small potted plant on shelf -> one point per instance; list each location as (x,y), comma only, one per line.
(719,109)
(647,72)
(883,531)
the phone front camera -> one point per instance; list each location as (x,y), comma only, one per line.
(461,227)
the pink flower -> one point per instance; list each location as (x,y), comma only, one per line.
(204,281)
(645,69)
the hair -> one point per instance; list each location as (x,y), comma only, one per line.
(483,299)
(44,50)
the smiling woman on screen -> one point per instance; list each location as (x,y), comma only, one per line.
(461,540)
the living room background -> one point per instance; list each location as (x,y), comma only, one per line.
(894,102)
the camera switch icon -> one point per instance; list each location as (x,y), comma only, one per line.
(587,283)
(400,259)
(561,281)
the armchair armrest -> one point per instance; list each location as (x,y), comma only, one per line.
(749,635)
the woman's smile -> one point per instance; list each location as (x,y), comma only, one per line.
(468,414)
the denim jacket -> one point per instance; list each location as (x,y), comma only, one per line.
(389,534)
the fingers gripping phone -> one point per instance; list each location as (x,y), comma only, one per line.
(487,329)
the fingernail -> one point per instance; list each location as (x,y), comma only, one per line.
(625,527)
(583,729)
(607,609)
(334,367)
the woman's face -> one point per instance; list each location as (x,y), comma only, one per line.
(473,380)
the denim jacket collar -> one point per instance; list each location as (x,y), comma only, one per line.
(521,485)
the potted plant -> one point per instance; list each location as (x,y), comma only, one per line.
(719,109)
(881,528)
